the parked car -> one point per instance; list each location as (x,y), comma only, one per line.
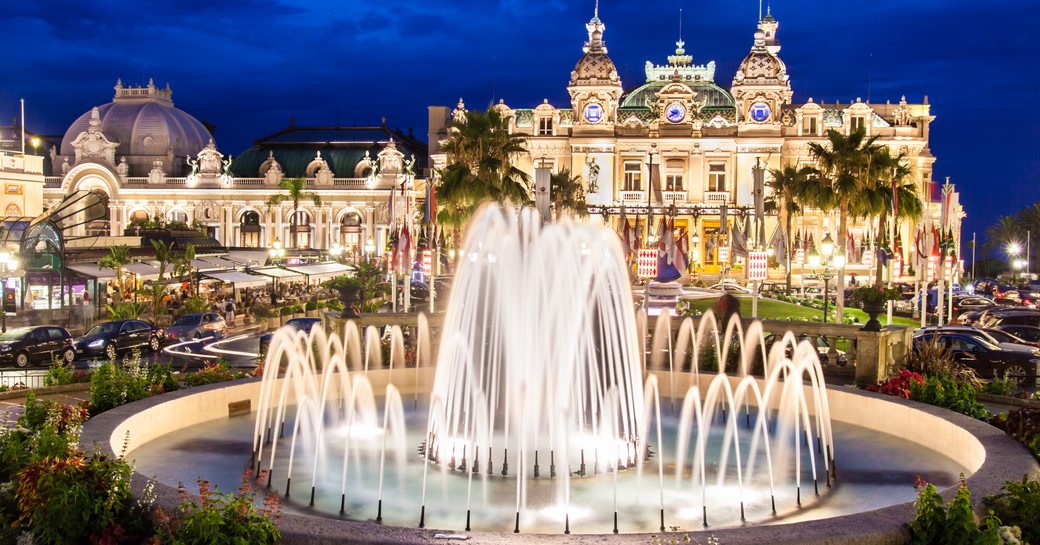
(965,303)
(1013,316)
(979,333)
(1025,332)
(23,346)
(986,358)
(730,287)
(108,339)
(298,324)
(823,347)
(197,326)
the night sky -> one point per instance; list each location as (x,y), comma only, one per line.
(248,65)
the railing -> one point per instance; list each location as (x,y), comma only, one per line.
(677,197)
(23,378)
(716,196)
(52,181)
(633,196)
(248,182)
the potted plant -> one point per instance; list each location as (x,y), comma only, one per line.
(873,299)
(285,314)
(312,309)
(298,311)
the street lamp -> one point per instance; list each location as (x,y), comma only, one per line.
(831,263)
(277,251)
(8,264)
(1013,250)
(335,251)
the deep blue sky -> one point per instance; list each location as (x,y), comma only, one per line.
(249,65)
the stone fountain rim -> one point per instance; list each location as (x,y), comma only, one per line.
(1005,460)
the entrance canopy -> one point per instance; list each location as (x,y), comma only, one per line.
(321,271)
(239,279)
(280,273)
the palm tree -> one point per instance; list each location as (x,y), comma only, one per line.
(1005,232)
(164,255)
(480,152)
(876,198)
(295,191)
(567,194)
(788,186)
(845,168)
(118,257)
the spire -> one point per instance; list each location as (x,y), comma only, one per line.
(595,28)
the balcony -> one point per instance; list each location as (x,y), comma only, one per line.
(633,196)
(716,197)
(674,197)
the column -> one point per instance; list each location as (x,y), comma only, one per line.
(225,226)
(113,219)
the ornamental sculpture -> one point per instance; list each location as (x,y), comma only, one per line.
(92,143)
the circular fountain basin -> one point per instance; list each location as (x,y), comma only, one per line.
(883,444)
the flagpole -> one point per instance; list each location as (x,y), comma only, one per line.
(891,266)
(973,277)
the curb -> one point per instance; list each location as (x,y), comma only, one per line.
(1007,400)
(23,392)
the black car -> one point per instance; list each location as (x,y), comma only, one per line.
(823,348)
(1025,332)
(298,324)
(108,339)
(1016,316)
(965,303)
(35,345)
(986,358)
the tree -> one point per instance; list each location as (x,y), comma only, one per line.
(182,264)
(1005,232)
(164,255)
(567,194)
(295,191)
(845,169)
(370,281)
(876,199)
(788,186)
(480,152)
(117,258)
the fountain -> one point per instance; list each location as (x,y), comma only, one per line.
(542,402)
(541,360)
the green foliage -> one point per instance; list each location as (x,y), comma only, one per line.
(943,391)
(874,294)
(215,518)
(194,304)
(1018,504)
(1001,386)
(295,190)
(937,524)
(79,498)
(311,305)
(212,373)
(1022,425)
(567,194)
(286,310)
(61,373)
(112,385)
(334,304)
(127,310)
(118,257)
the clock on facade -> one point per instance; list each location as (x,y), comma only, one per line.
(759,112)
(593,113)
(675,112)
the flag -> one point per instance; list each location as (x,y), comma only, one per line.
(430,206)
(724,220)
(778,242)
(738,243)
(895,198)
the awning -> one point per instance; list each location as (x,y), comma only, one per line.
(221,262)
(143,270)
(321,271)
(239,279)
(92,270)
(252,258)
(278,272)
(202,265)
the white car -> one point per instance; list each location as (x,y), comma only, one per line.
(731,288)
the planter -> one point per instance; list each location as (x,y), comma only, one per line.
(298,315)
(873,309)
(312,313)
(349,296)
(274,322)
(284,318)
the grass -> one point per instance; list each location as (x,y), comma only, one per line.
(771,309)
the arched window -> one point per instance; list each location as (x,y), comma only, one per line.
(139,217)
(177,216)
(250,229)
(301,229)
(99,226)
(350,232)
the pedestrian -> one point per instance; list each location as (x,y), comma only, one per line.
(229,311)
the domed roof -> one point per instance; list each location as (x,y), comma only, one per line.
(713,95)
(143,121)
(595,66)
(761,65)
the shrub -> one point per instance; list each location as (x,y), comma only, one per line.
(1022,425)
(213,517)
(112,385)
(286,310)
(898,386)
(212,373)
(1018,504)
(943,391)
(938,524)
(334,304)
(1001,386)
(262,311)
(931,358)
(311,305)
(80,498)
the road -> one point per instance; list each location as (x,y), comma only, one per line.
(239,351)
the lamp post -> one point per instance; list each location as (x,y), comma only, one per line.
(277,252)
(649,193)
(336,251)
(831,263)
(1014,249)
(8,264)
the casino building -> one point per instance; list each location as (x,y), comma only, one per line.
(685,145)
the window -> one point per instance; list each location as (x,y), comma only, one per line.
(301,229)
(857,123)
(545,126)
(178,216)
(717,177)
(545,163)
(55,334)
(809,126)
(250,229)
(633,176)
(673,182)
